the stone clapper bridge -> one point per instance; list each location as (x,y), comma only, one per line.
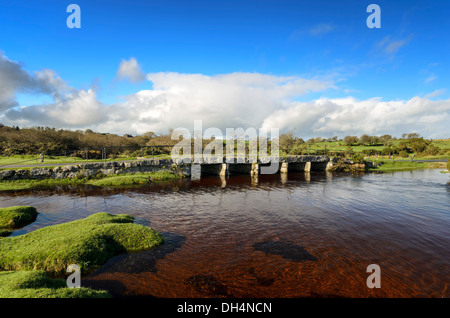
(204,166)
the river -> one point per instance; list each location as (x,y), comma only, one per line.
(301,235)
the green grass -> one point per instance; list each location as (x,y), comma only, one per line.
(341,146)
(15,217)
(26,184)
(36,284)
(390,165)
(88,242)
(134,179)
(107,181)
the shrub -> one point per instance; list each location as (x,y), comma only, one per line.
(358,158)
(403,154)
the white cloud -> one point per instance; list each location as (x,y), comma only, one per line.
(430,78)
(130,70)
(321,29)
(228,100)
(14,79)
(80,109)
(348,116)
(436,93)
(390,46)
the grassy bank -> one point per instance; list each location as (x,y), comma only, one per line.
(134,179)
(390,165)
(15,217)
(29,263)
(36,284)
(88,242)
(107,181)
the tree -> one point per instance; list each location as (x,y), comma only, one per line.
(402,146)
(413,135)
(418,144)
(287,140)
(351,140)
(386,140)
(364,139)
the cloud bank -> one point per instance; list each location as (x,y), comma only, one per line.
(226,100)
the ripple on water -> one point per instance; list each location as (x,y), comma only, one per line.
(300,236)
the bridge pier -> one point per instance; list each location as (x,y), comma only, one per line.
(254,170)
(196,171)
(329,165)
(308,166)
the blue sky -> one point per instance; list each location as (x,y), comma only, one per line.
(326,41)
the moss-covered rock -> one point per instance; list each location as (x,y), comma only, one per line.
(16,217)
(88,242)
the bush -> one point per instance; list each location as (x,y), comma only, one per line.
(432,150)
(358,158)
(403,154)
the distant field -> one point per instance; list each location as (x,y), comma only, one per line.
(341,146)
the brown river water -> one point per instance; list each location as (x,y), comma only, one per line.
(304,235)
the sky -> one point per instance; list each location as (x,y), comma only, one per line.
(314,67)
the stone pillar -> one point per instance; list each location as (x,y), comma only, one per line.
(255,169)
(308,166)
(284,167)
(196,171)
(329,165)
(254,178)
(224,170)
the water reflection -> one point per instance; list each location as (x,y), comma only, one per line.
(284,178)
(307,176)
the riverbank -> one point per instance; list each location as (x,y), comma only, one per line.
(31,265)
(121,180)
(390,165)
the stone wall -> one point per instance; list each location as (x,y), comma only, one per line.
(96,169)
